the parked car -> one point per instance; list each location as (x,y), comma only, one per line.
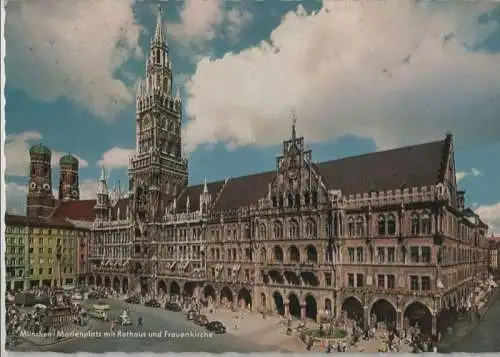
(201,320)
(133,300)
(172,306)
(152,303)
(191,314)
(216,327)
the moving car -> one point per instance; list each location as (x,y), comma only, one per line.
(216,327)
(152,303)
(201,320)
(99,315)
(172,306)
(191,314)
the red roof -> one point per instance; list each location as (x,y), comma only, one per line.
(82,210)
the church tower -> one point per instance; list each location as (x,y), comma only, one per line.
(102,203)
(157,170)
(40,201)
(68,178)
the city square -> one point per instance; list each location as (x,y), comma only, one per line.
(377,251)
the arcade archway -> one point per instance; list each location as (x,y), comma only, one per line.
(353,308)
(98,281)
(383,311)
(162,287)
(189,288)
(125,285)
(107,281)
(91,280)
(245,298)
(175,289)
(210,293)
(263,300)
(311,307)
(116,284)
(294,305)
(226,295)
(279,303)
(418,314)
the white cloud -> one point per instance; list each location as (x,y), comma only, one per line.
(15,197)
(491,215)
(463,174)
(17,153)
(115,158)
(237,18)
(395,71)
(199,20)
(88,189)
(72,49)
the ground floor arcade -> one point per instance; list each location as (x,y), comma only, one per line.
(37,283)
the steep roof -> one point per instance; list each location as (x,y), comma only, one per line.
(83,210)
(23,221)
(411,166)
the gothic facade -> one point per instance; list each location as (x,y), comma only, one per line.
(385,236)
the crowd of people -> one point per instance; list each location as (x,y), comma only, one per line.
(31,313)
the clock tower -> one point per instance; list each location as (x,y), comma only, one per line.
(157,170)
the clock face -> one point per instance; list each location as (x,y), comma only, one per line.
(33,186)
(46,187)
(74,193)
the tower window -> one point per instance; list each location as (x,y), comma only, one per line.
(157,56)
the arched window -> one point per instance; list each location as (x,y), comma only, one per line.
(415,223)
(307,198)
(426,225)
(280,201)
(262,231)
(289,200)
(314,198)
(381,225)
(297,200)
(277,230)
(360,226)
(293,229)
(351,227)
(391,224)
(248,231)
(311,229)
(275,202)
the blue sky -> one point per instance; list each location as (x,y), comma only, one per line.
(361,76)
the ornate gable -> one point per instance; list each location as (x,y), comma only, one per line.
(296,182)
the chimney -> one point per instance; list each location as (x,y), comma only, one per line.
(461,200)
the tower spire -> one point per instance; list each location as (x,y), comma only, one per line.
(293,116)
(205,188)
(159,38)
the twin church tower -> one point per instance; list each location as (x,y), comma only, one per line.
(157,170)
(40,200)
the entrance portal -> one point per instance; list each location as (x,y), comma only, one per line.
(294,305)
(383,311)
(353,308)
(279,303)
